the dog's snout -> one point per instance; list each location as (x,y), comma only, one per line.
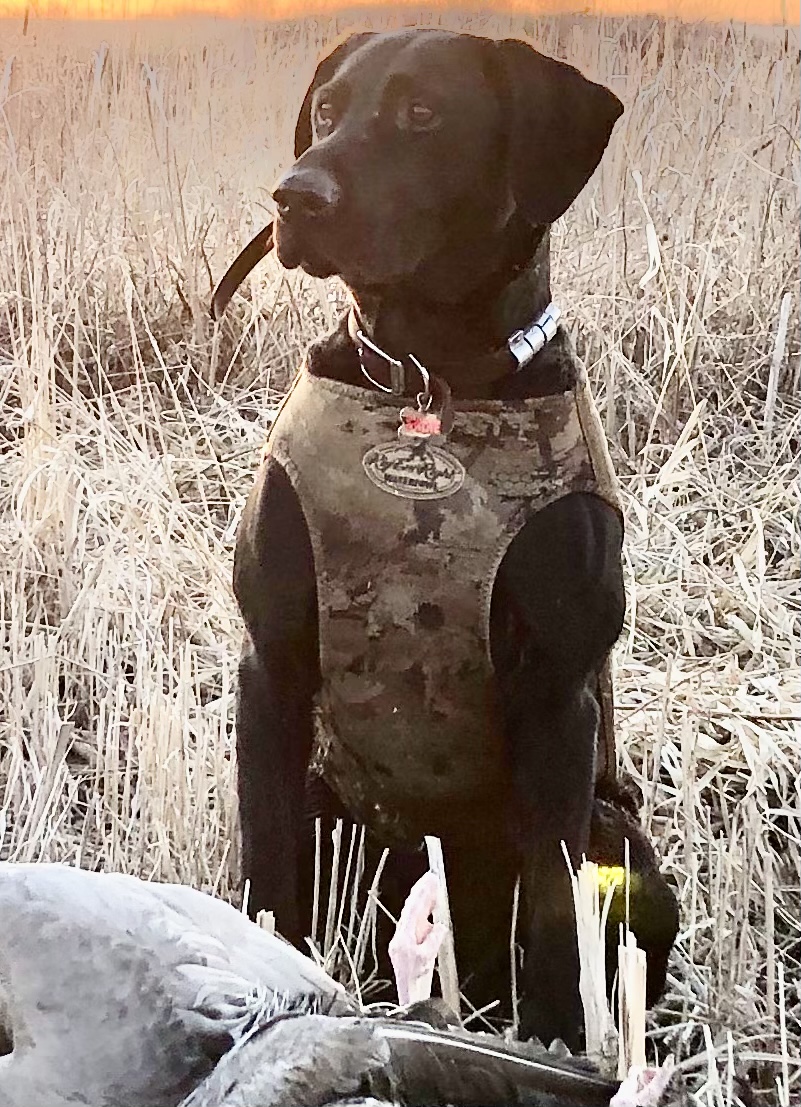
(306,191)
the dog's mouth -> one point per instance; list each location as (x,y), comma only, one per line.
(298,245)
(320,247)
(291,252)
(357,251)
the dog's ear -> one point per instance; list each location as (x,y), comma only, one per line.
(324,72)
(559,126)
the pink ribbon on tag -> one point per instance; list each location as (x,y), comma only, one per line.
(421,424)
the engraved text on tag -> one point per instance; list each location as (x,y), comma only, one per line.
(414,470)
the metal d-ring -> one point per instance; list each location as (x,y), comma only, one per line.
(365,341)
(424,398)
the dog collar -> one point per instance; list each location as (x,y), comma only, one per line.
(392,375)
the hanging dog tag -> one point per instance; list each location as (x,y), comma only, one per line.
(416,467)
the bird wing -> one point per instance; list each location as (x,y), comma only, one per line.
(311,1060)
(296,1060)
(125,991)
(453,1066)
(254,953)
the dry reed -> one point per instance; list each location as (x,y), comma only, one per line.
(134,161)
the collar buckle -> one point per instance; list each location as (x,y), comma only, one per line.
(397,373)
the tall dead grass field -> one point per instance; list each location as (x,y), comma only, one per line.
(135,160)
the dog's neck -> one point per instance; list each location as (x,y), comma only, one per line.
(404,318)
(451,337)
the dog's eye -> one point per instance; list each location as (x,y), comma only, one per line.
(324,116)
(419,116)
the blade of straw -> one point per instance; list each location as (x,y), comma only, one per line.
(446,958)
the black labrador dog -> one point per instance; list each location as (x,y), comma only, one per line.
(429,168)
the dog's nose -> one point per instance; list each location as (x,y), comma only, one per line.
(306,191)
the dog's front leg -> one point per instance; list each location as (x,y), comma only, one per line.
(553,741)
(275,587)
(557,608)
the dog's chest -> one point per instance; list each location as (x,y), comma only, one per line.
(408,730)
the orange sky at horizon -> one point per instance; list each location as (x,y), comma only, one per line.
(749,11)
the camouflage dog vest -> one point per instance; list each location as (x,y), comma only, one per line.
(408,726)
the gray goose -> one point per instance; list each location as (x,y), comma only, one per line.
(117,992)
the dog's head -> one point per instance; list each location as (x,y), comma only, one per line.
(411,143)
